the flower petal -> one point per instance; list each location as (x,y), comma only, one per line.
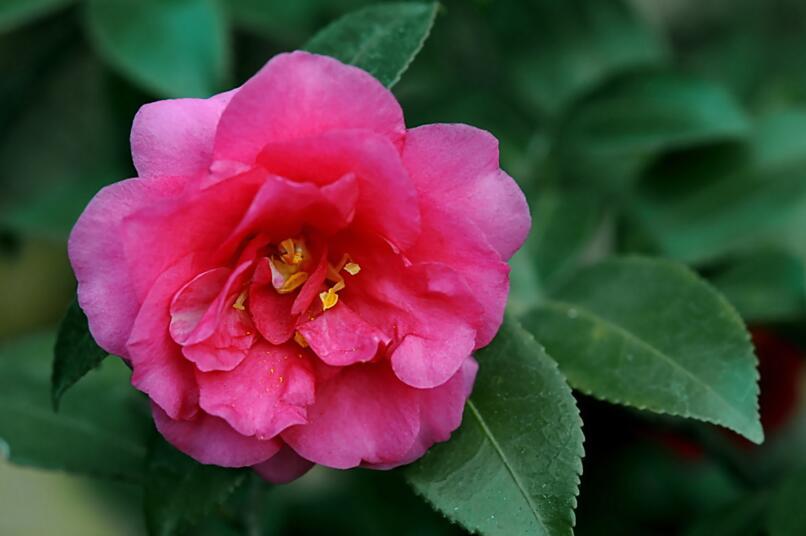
(362,414)
(211,440)
(298,95)
(283,467)
(456,168)
(105,290)
(175,137)
(340,337)
(268,392)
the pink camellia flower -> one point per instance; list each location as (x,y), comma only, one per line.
(295,278)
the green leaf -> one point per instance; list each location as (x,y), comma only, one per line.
(786,516)
(75,354)
(611,137)
(175,48)
(697,207)
(383,39)
(14,13)
(574,46)
(513,466)
(765,286)
(564,223)
(60,152)
(651,334)
(180,491)
(102,428)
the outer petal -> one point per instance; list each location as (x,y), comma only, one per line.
(300,94)
(105,291)
(160,370)
(268,392)
(283,467)
(456,167)
(211,440)
(175,137)
(362,414)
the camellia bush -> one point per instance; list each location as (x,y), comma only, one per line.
(407,268)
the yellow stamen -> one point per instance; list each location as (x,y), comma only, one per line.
(329,298)
(239,302)
(352,268)
(299,339)
(293,282)
(292,251)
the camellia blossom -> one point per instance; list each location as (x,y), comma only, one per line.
(295,277)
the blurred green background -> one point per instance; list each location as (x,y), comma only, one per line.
(669,127)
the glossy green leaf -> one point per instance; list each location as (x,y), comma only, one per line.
(102,427)
(767,285)
(513,466)
(175,48)
(611,137)
(574,45)
(75,354)
(382,39)
(699,206)
(14,13)
(651,334)
(180,491)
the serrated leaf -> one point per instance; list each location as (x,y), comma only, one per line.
(179,491)
(697,206)
(382,39)
(786,516)
(612,136)
(75,353)
(575,46)
(14,13)
(102,428)
(766,285)
(650,333)
(513,466)
(175,48)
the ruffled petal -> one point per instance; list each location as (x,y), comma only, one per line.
(283,467)
(387,200)
(362,414)
(268,392)
(159,369)
(211,440)
(105,290)
(456,168)
(175,137)
(340,337)
(298,95)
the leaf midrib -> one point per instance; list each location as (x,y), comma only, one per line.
(510,469)
(564,307)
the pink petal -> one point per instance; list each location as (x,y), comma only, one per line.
(175,137)
(105,290)
(283,467)
(265,394)
(158,235)
(310,289)
(455,167)
(159,369)
(211,440)
(299,95)
(270,310)
(362,414)
(340,337)
(387,201)
(193,300)
(441,410)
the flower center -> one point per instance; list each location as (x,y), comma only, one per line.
(330,297)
